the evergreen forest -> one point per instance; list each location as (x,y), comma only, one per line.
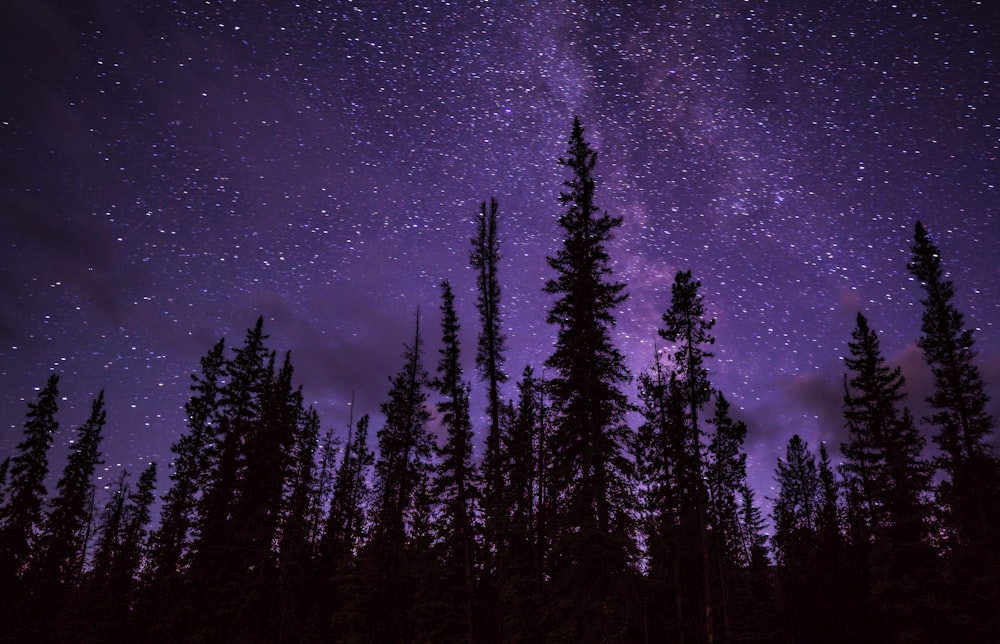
(579,523)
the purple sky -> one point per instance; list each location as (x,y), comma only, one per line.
(170,170)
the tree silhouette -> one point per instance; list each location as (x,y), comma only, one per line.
(590,475)
(686,325)
(970,491)
(21,514)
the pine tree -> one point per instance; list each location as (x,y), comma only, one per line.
(958,399)
(170,543)
(227,574)
(520,543)
(970,492)
(341,584)
(453,486)
(484,258)
(796,544)
(590,473)
(345,520)
(122,537)
(725,475)
(887,482)
(686,326)
(400,471)
(21,514)
(64,538)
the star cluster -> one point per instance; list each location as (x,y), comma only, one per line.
(173,169)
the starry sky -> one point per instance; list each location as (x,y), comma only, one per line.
(171,170)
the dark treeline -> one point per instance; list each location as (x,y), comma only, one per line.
(574,527)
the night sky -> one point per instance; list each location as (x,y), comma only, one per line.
(172,170)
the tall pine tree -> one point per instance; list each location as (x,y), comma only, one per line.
(64,538)
(484,258)
(970,491)
(590,474)
(21,514)
(453,486)
(688,328)
(887,482)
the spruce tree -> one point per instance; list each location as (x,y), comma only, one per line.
(887,482)
(21,515)
(590,474)
(401,470)
(59,566)
(453,485)
(725,475)
(959,400)
(796,520)
(484,259)
(688,328)
(340,583)
(970,492)
(170,543)
(520,543)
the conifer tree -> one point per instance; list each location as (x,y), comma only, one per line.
(590,474)
(887,482)
(400,471)
(520,544)
(340,584)
(970,492)
(686,325)
(796,545)
(224,589)
(453,486)
(958,399)
(484,259)
(64,538)
(122,537)
(725,475)
(663,459)
(21,515)
(171,541)
(345,520)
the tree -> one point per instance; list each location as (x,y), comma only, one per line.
(796,519)
(958,399)
(520,542)
(345,520)
(121,543)
(887,482)
(484,258)
(725,475)
(21,514)
(590,473)
(401,470)
(686,325)
(453,485)
(64,537)
(342,534)
(970,491)
(172,540)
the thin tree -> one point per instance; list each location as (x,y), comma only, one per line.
(970,491)
(402,469)
(484,258)
(453,485)
(686,325)
(170,543)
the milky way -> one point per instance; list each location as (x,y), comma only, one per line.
(172,171)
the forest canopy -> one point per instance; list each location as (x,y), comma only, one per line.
(590,516)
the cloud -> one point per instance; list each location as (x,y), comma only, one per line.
(45,250)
